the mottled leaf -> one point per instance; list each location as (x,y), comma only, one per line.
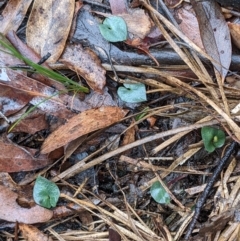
(214,33)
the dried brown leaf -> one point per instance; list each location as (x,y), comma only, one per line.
(87,64)
(33,123)
(10,210)
(48,27)
(16,159)
(32,233)
(13,14)
(82,124)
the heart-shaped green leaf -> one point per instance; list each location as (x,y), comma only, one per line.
(159,194)
(45,192)
(132,93)
(212,138)
(114,29)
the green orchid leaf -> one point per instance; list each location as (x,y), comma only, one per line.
(45,192)
(212,138)
(132,93)
(114,29)
(159,194)
(219,139)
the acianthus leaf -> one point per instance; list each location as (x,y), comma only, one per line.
(132,93)
(159,194)
(114,29)
(212,138)
(45,192)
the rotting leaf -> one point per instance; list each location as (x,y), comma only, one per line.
(16,159)
(45,192)
(82,124)
(87,64)
(114,29)
(48,27)
(10,210)
(132,93)
(214,33)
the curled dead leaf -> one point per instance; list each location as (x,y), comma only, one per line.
(81,124)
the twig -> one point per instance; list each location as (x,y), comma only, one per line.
(209,186)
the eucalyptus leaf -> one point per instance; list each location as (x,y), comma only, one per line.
(212,138)
(45,192)
(132,93)
(114,29)
(159,194)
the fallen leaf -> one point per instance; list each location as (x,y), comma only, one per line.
(16,159)
(81,124)
(87,64)
(189,25)
(13,15)
(10,210)
(48,27)
(129,136)
(7,181)
(33,123)
(138,22)
(11,100)
(214,33)
(235,33)
(114,235)
(41,93)
(96,99)
(118,7)
(32,233)
(29,53)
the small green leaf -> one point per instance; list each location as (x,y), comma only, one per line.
(132,93)
(45,192)
(114,29)
(212,138)
(159,194)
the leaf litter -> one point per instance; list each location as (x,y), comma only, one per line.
(93,129)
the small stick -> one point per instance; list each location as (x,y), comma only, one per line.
(208,187)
